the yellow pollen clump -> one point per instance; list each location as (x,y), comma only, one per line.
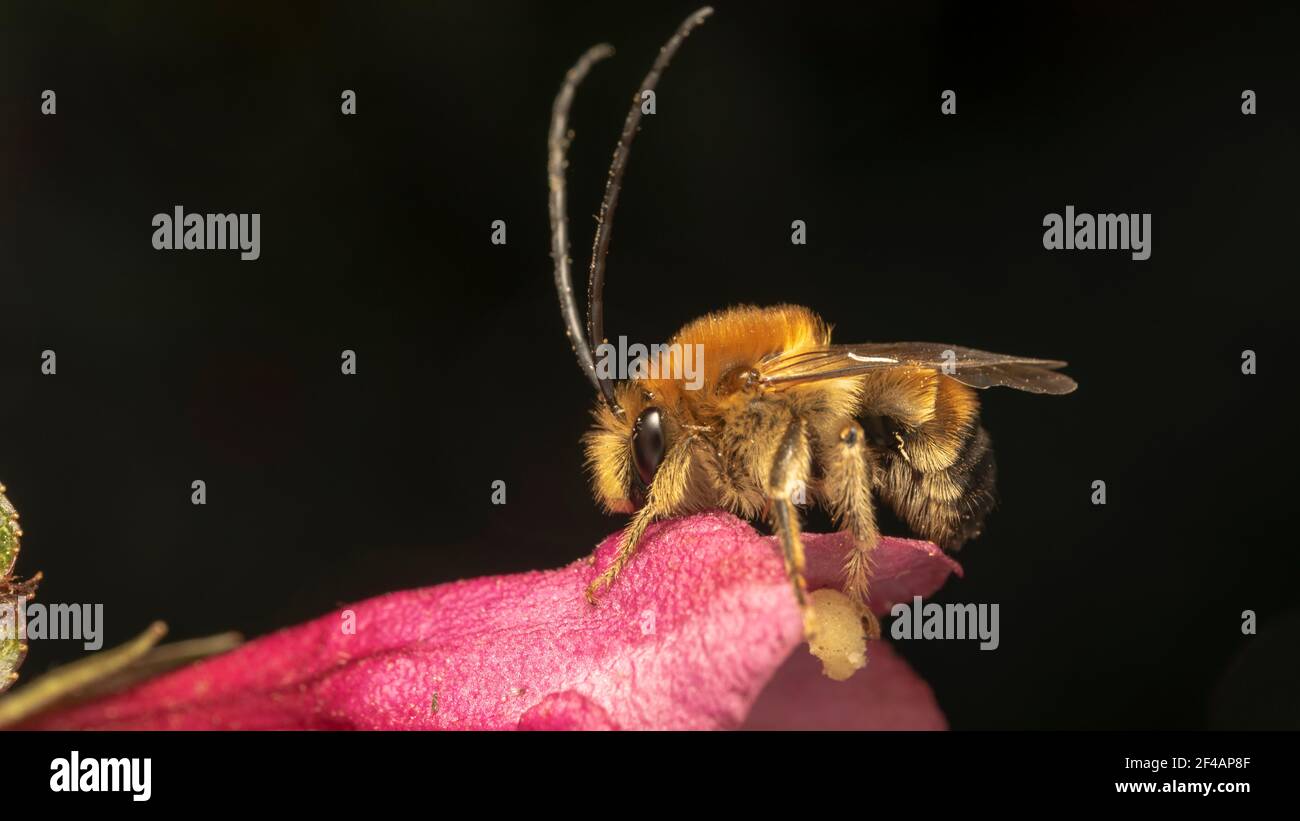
(839,640)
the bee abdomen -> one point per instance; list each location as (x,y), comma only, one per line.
(945,506)
(976,471)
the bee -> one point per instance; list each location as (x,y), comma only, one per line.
(782,415)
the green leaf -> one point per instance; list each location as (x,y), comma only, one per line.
(9,534)
(12,653)
(13,595)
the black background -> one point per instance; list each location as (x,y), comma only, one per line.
(176,366)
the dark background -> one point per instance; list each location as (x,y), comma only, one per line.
(323,489)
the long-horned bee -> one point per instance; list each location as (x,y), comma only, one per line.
(781,412)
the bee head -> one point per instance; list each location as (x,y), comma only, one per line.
(625,450)
(631,434)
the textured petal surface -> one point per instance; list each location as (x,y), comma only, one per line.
(886,695)
(687,638)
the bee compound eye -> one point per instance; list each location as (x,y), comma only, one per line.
(648,444)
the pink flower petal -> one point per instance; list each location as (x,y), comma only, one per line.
(687,638)
(886,695)
(566,711)
(902,568)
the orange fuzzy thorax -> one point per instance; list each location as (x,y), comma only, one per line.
(738,337)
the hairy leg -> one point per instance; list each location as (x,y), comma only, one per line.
(789,471)
(664,498)
(846,487)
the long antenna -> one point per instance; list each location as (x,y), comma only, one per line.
(604,222)
(557,144)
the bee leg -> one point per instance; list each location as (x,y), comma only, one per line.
(789,469)
(626,550)
(849,477)
(665,496)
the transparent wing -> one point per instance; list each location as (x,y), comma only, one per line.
(976,368)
